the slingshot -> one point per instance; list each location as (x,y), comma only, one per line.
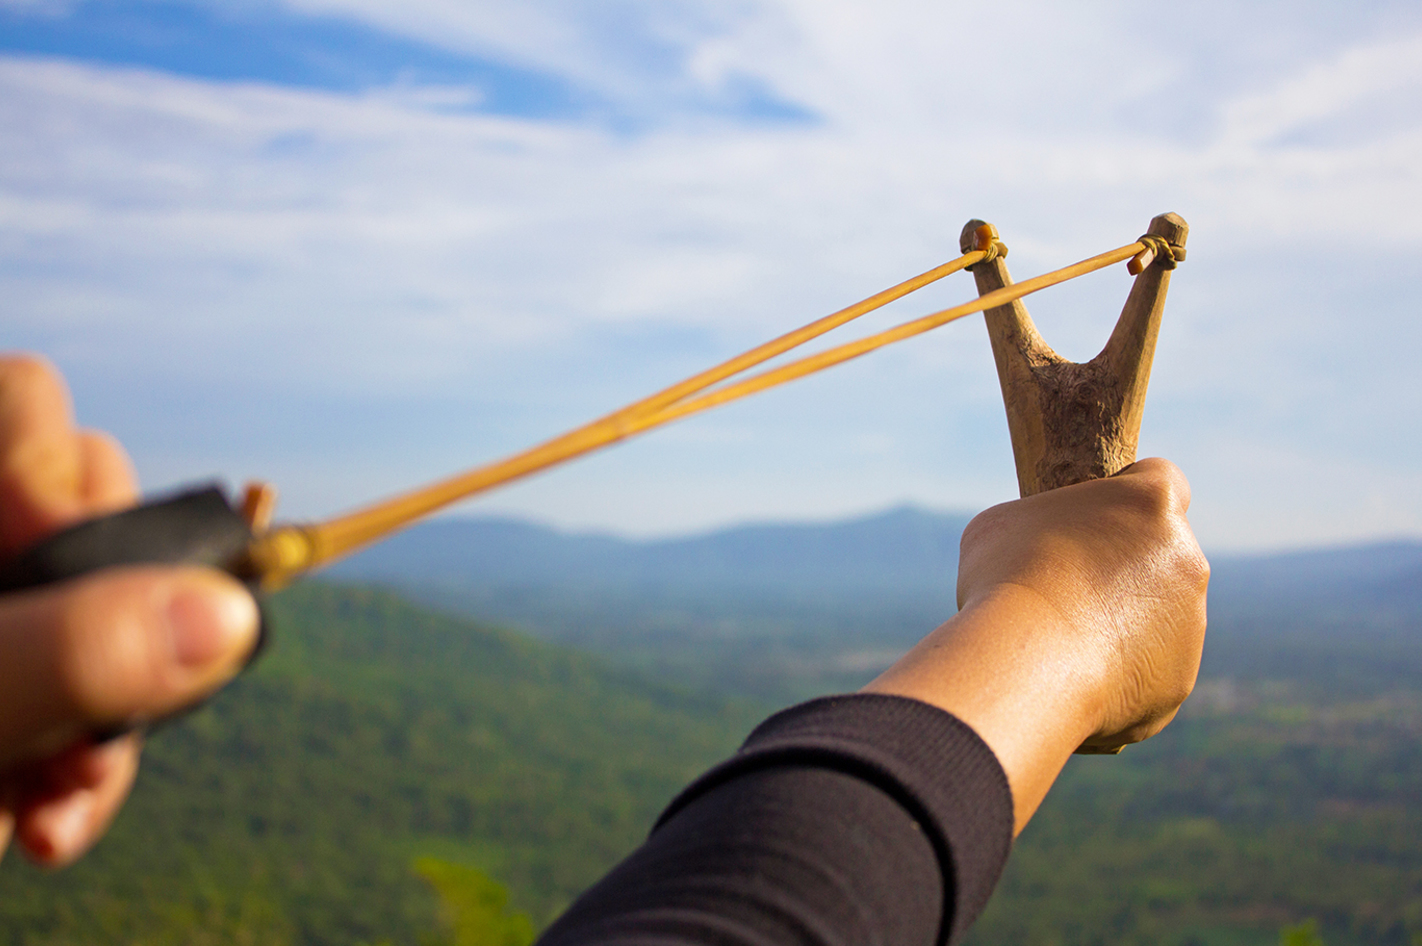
(1069,422)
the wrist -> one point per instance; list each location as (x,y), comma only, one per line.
(1011,666)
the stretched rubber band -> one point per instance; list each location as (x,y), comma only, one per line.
(288,550)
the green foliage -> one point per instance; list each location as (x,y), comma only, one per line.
(1303,934)
(289,809)
(1253,809)
(474,908)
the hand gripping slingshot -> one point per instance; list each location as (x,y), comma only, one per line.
(1069,422)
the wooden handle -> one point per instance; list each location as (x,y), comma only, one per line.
(1072,422)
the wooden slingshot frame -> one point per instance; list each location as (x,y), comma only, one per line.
(1073,422)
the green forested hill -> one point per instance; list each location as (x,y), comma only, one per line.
(374,733)
(291,808)
(1263,806)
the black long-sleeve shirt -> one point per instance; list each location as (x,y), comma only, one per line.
(861,820)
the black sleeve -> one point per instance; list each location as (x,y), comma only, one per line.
(845,821)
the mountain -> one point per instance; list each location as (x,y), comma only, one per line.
(377,733)
(784,610)
(1345,620)
(1384,571)
(905,552)
(902,550)
(774,611)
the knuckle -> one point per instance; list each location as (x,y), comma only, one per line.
(1158,498)
(984,526)
(1161,487)
(1182,690)
(1200,569)
(1191,568)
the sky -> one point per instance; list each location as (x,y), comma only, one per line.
(350,246)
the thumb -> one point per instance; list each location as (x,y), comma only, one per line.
(118,646)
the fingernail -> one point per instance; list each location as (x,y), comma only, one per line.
(210,616)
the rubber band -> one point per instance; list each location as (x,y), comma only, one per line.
(288,550)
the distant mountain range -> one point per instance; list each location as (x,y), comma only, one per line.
(1383,572)
(908,552)
(902,550)
(789,609)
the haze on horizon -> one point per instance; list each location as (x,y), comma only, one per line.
(349,246)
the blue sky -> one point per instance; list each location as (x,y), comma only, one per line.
(349,246)
(269,44)
(334,51)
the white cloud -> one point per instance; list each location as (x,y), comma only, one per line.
(511,276)
(1390,68)
(630,51)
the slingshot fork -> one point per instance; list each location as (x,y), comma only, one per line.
(1072,422)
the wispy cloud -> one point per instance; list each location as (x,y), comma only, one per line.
(1387,72)
(339,261)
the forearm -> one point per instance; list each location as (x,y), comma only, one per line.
(847,820)
(987,667)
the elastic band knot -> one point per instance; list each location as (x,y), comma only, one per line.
(995,249)
(987,242)
(1166,253)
